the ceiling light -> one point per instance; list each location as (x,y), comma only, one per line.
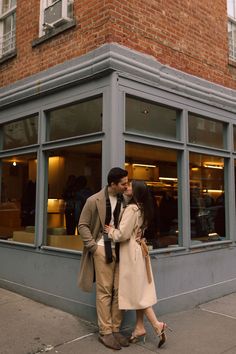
(218,166)
(213,191)
(168,179)
(142,165)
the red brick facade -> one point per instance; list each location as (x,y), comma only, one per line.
(189,35)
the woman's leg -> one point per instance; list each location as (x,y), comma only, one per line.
(151,316)
(139,326)
(139,331)
(158,326)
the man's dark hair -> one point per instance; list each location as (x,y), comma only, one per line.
(115,175)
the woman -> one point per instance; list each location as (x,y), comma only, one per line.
(136,284)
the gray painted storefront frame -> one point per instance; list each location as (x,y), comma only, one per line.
(42,272)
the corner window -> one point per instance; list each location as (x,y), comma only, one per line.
(231,10)
(7,26)
(207,202)
(157,166)
(55,13)
(148,118)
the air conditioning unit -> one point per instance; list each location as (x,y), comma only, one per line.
(56,14)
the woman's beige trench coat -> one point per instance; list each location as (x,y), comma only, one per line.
(135,292)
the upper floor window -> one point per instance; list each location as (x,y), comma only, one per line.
(55,13)
(7,26)
(231,9)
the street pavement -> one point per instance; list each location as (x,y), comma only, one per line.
(29,327)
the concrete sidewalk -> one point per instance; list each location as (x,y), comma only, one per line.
(28,327)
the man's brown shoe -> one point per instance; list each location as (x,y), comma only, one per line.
(109,341)
(122,340)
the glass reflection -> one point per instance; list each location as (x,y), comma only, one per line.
(18,194)
(74,120)
(148,118)
(207,202)
(203,131)
(74,174)
(158,167)
(20,133)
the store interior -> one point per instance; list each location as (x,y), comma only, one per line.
(82,165)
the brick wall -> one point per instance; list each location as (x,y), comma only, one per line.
(190,35)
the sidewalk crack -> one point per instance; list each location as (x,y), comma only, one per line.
(218,313)
(48,348)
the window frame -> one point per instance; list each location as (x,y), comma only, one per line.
(10,12)
(184,148)
(232,32)
(49,29)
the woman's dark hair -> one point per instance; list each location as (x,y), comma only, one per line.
(142,197)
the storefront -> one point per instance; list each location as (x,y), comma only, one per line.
(62,130)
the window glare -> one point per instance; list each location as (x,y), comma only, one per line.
(230,8)
(20,133)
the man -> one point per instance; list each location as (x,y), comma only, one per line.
(100,256)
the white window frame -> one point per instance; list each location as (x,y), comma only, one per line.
(231,5)
(66,16)
(12,34)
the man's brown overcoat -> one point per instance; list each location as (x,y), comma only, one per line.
(91,225)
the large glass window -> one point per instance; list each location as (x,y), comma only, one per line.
(74,174)
(74,120)
(158,167)
(148,118)
(207,202)
(18,193)
(203,131)
(20,133)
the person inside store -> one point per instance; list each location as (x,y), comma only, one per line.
(136,283)
(69,197)
(100,259)
(82,192)
(28,204)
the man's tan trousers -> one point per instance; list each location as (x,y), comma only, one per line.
(107,280)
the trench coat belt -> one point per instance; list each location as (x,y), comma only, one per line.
(144,249)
